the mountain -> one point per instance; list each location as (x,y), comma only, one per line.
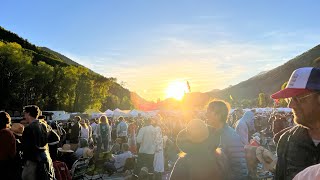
(38,75)
(270,81)
(60,56)
(266,82)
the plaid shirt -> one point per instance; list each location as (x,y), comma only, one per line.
(296,151)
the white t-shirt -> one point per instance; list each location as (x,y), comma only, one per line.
(84,133)
(120,159)
(316,141)
(147,139)
(94,128)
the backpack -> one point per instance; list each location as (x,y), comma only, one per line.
(61,171)
(123,127)
(104,133)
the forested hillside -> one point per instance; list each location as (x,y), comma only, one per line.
(32,75)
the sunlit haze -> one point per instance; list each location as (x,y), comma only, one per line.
(148,45)
(176,90)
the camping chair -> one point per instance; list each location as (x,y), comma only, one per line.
(79,168)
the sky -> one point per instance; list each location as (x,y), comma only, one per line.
(148,45)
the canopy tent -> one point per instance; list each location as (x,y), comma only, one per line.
(109,113)
(97,115)
(152,113)
(267,109)
(117,112)
(135,113)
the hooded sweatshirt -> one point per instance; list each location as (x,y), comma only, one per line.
(244,125)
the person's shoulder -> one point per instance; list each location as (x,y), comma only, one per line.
(292,132)
(227,130)
(311,172)
(6,132)
(230,134)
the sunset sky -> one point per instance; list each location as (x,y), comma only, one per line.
(147,45)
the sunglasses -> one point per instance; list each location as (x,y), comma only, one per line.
(299,99)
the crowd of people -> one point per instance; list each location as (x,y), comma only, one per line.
(217,145)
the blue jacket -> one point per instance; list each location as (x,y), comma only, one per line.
(234,149)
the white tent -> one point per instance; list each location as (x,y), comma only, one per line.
(97,115)
(284,110)
(59,115)
(117,112)
(134,113)
(109,113)
(153,113)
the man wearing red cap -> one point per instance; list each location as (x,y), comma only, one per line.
(299,148)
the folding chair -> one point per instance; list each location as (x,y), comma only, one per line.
(79,168)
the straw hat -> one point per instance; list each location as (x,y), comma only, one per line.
(65,148)
(87,152)
(194,138)
(266,157)
(197,131)
(17,129)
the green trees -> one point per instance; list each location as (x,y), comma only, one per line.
(15,74)
(262,100)
(26,80)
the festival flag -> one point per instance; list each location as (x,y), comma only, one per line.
(189,88)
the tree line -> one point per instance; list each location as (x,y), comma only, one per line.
(27,79)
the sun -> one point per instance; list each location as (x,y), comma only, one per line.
(176,90)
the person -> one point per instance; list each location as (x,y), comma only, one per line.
(279,124)
(94,126)
(75,133)
(17,129)
(84,151)
(117,162)
(90,141)
(8,147)
(146,138)
(67,155)
(198,158)
(103,134)
(243,128)
(53,142)
(217,115)
(57,128)
(310,173)
(234,117)
(122,130)
(84,130)
(35,147)
(132,142)
(116,147)
(158,162)
(298,147)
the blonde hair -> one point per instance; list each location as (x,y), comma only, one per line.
(104,119)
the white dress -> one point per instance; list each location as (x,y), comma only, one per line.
(158,162)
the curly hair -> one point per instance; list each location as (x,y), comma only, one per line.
(33,110)
(4,119)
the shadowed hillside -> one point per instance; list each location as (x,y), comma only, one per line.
(271,81)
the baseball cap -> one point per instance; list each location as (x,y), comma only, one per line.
(302,80)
